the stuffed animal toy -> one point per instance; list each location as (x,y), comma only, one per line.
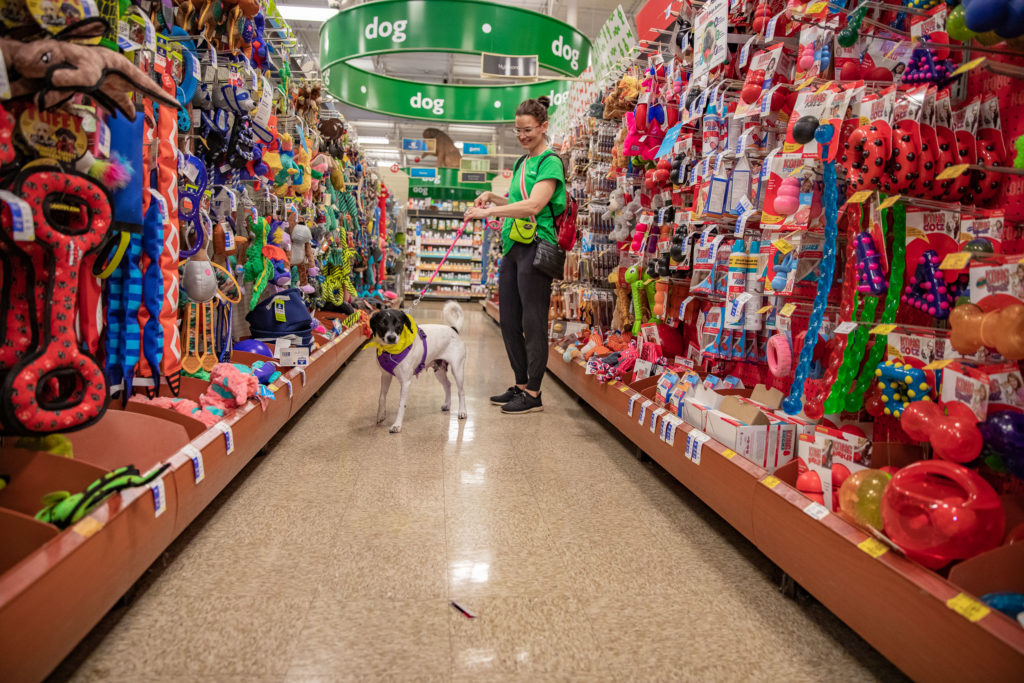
(54,71)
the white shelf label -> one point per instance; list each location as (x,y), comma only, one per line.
(196,456)
(159,497)
(695,440)
(229,436)
(817,511)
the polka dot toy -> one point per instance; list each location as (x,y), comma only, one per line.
(901,384)
(870,278)
(927,290)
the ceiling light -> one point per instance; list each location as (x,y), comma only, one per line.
(472,130)
(360,124)
(294,13)
(373,140)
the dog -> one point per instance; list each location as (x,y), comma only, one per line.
(434,346)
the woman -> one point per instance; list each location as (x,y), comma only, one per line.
(536,196)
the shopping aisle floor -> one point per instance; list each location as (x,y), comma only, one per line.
(334,557)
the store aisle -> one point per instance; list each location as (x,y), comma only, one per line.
(335,555)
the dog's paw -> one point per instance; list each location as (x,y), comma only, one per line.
(395,429)
(380,419)
(463,415)
(446,408)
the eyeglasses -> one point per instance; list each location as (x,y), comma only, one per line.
(523,131)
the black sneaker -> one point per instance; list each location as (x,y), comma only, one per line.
(523,403)
(502,399)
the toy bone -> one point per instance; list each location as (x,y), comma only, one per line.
(57,70)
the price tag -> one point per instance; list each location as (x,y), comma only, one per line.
(769,32)
(265,108)
(782,245)
(21,217)
(860,197)
(968,66)
(632,402)
(939,364)
(643,410)
(788,310)
(745,51)
(660,412)
(889,202)
(817,511)
(741,224)
(196,456)
(88,527)
(302,374)
(738,303)
(771,481)
(873,547)
(967,607)
(288,383)
(956,261)
(229,437)
(764,309)
(883,329)
(846,328)
(953,172)
(695,441)
(159,497)
(729,454)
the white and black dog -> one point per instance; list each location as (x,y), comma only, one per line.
(434,346)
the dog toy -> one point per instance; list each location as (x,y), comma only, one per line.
(927,290)
(901,384)
(870,278)
(62,509)
(794,401)
(1003,432)
(860,497)
(1002,330)
(865,156)
(939,511)
(954,437)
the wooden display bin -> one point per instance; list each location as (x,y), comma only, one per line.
(895,604)
(56,585)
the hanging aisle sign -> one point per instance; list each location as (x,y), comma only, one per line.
(417,145)
(464,26)
(474,148)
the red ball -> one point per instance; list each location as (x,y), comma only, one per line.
(879,73)
(750,92)
(851,71)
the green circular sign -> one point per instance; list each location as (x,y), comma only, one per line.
(464,26)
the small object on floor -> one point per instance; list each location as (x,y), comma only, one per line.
(510,393)
(523,403)
(465,612)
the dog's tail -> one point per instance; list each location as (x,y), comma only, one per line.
(453,315)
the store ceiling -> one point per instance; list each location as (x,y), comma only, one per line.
(448,68)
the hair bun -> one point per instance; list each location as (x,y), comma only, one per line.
(545,100)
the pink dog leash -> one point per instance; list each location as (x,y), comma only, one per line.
(437,270)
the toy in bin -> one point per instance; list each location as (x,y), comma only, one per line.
(282,315)
(939,512)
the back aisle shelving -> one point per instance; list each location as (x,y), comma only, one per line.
(461,275)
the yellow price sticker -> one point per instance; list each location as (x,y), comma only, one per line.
(87,527)
(816,8)
(783,245)
(939,364)
(771,481)
(883,329)
(860,197)
(967,607)
(764,309)
(559,350)
(788,310)
(729,453)
(623,388)
(889,202)
(953,172)
(968,66)
(873,547)
(806,82)
(956,261)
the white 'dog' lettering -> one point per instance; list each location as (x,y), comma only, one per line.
(384,29)
(564,50)
(418,101)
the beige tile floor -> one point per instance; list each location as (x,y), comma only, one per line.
(334,557)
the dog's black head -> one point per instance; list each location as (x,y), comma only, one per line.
(387,325)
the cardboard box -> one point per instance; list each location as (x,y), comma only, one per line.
(750,441)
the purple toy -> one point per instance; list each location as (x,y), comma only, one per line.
(927,290)
(870,278)
(254,346)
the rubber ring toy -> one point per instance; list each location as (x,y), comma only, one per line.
(780,355)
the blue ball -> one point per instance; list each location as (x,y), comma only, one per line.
(984,15)
(824,133)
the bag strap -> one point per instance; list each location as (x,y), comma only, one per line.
(522,176)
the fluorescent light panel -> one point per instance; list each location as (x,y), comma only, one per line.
(373,140)
(301,13)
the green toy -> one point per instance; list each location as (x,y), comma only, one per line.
(257,266)
(633,280)
(64,509)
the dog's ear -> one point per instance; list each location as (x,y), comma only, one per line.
(406,321)
(375,323)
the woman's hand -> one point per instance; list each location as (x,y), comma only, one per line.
(484,199)
(474,213)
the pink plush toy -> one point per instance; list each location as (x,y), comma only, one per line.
(231,386)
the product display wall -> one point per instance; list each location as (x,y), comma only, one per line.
(801,247)
(191,247)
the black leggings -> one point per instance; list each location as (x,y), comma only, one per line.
(524,295)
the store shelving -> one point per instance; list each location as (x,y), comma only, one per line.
(929,626)
(56,585)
